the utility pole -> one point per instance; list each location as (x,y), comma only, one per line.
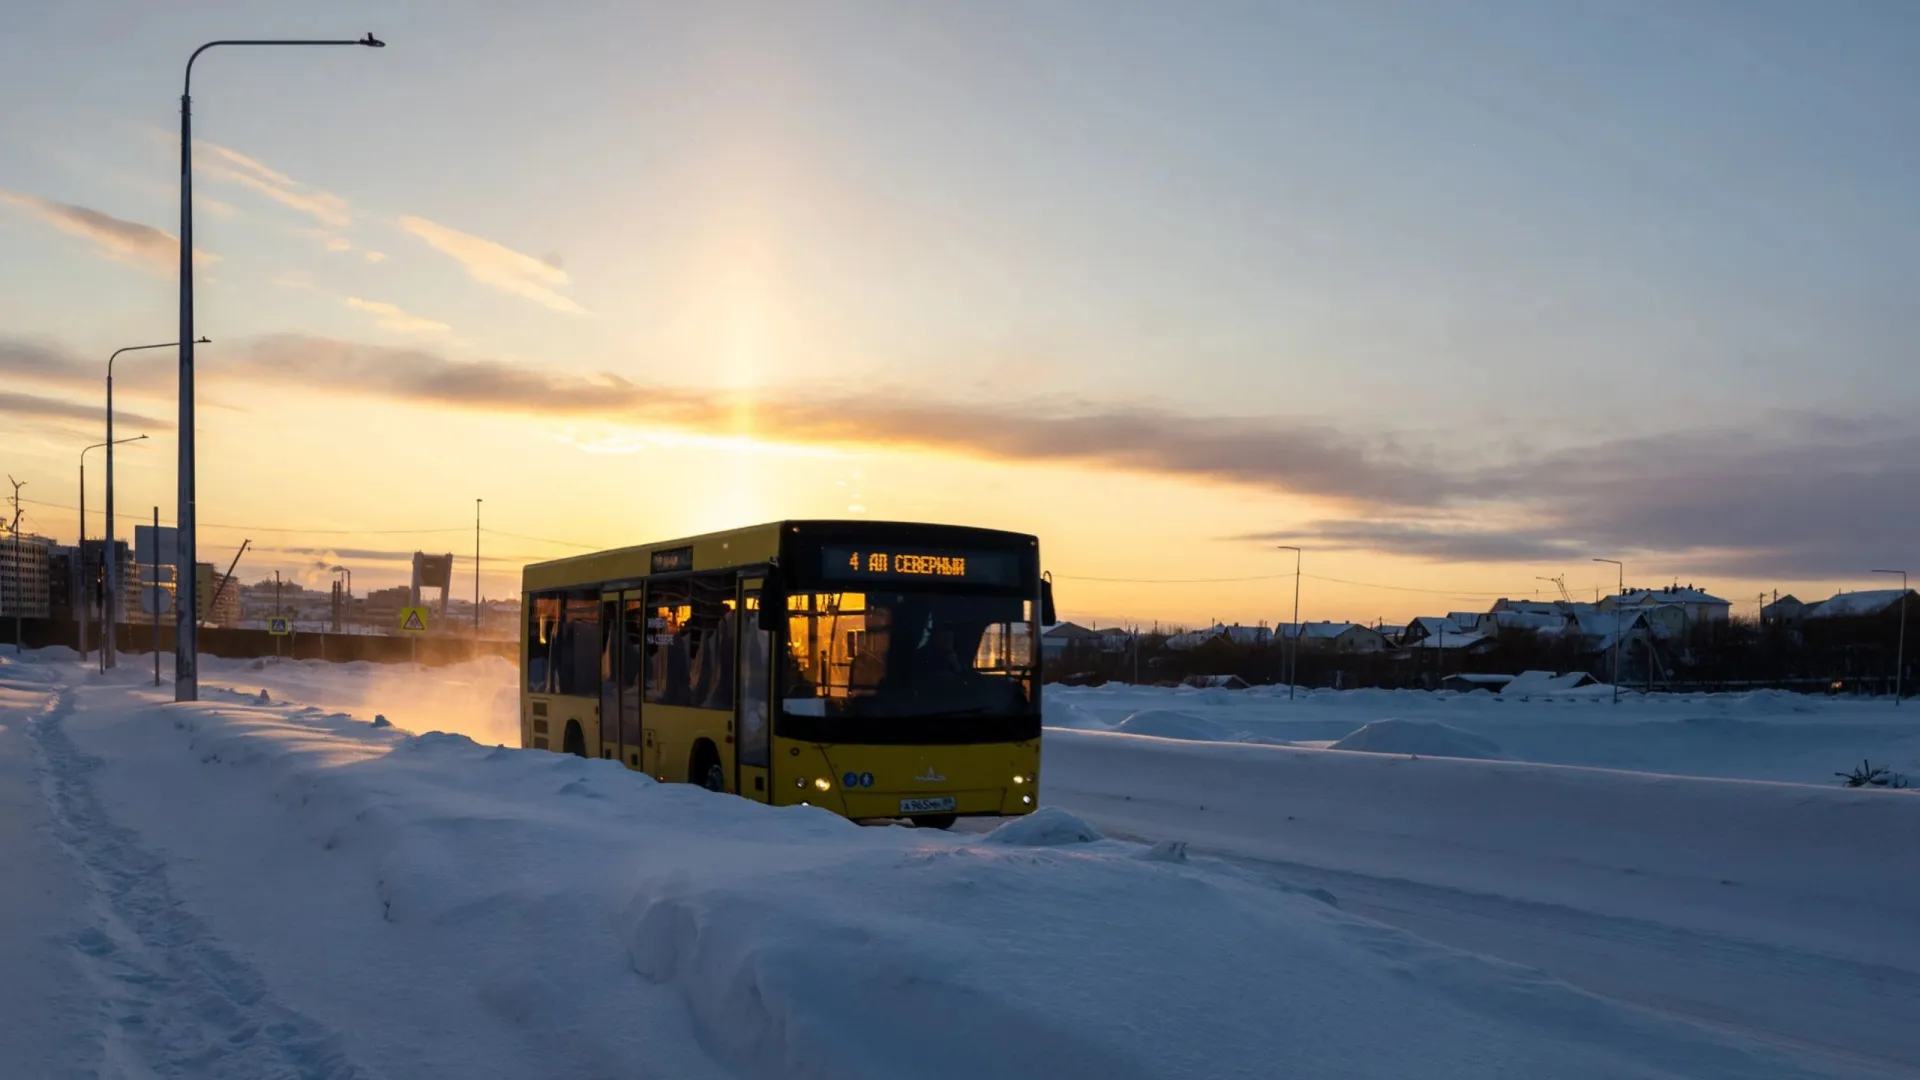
(1900,650)
(19,600)
(1293,647)
(156,594)
(476,577)
(1622,569)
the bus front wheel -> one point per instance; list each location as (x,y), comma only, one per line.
(576,741)
(935,821)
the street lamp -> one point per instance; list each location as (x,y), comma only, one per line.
(186,645)
(108,646)
(1616,624)
(80,547)
(1293,645)
(1900,650)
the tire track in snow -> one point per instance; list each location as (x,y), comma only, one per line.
(174,1003)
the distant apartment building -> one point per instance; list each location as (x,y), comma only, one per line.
(1698,606)
(25,576)
(218,606)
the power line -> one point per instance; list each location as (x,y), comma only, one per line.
(145,518)
(541,539)
(1280,577)
(1169,581)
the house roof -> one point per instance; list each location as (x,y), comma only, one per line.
(1546,682)
(1434,624)
(1604,628)
(1676,595)
(1321,631)
(1855,604)
(1450,641)
(1548,622)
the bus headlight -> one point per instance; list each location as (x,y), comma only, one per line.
(823,784)
(1026,800)
(1018,779)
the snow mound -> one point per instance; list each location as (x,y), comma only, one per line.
(1424,737)
(1065,714)
(1048,826)
(1171,724)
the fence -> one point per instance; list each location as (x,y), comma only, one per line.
(238,644)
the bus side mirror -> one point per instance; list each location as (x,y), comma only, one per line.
(1047,615)
(773,606)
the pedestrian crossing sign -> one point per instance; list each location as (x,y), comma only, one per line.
(279,626)
(413,620)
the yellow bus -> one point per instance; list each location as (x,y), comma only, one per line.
(882,670)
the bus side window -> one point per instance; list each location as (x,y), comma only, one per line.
(579,652)
(669,653)
(712,630)
(543,619)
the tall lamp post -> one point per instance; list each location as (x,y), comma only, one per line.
(186,646)
(1293,638)
(108,646)
(1900,650)
(1619,592)
(80,547)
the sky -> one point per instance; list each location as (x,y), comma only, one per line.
(1455,296)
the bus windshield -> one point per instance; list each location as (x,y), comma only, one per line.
(907,654)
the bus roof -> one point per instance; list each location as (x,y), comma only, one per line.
(767,533)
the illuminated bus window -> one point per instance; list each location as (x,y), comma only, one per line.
(669,650)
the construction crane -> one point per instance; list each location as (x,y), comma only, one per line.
(1561,583)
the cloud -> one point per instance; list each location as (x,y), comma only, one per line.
(113,238)
(1798,497)
(250,164)
(376,256)
(497,265)
(42,362)
(33,406)
(337,243)
(233,167)
(392,318)
(1439,542)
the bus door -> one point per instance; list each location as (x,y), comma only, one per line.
(611,677)
(632,638)
(752,717)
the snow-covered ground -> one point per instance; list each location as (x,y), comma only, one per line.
(278,887)
(1763,735)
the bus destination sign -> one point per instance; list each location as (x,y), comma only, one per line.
(672,560)
(943,564)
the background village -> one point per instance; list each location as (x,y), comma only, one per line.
(1673,638)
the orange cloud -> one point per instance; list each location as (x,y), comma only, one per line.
(392,318)
(114,239)
(497,265)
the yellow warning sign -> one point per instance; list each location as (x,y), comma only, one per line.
(279,627)
(413,620)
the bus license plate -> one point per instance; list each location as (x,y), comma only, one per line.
(925,806)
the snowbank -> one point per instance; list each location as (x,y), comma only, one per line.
(1170,724)
(356,900)
(1418,737)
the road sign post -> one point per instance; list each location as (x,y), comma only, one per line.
(413,623)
